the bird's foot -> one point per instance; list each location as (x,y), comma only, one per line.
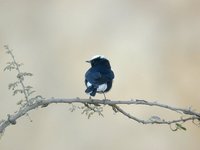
(104,96)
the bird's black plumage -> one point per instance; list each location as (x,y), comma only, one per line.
(99,78)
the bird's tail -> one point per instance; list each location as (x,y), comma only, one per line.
(91,90)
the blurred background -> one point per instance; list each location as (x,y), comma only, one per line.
(154,50)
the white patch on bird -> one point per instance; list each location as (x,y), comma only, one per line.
(98,56)
(101,88)
(89,84)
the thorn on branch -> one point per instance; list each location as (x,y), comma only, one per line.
(29,117)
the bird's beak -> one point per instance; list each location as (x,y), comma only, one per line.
(88,61)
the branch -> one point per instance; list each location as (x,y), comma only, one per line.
(90,106)
(191,115)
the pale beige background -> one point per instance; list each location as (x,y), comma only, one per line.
(154,48)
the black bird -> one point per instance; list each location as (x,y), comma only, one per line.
(98,79)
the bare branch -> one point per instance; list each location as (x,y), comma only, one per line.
(191,115)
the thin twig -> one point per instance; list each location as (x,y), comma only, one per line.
(153,121)
(20,78)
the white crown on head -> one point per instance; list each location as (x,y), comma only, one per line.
(98,56)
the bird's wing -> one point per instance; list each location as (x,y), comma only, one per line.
(92,76)
(99,77)
(109,75)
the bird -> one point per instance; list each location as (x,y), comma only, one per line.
(99,77)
